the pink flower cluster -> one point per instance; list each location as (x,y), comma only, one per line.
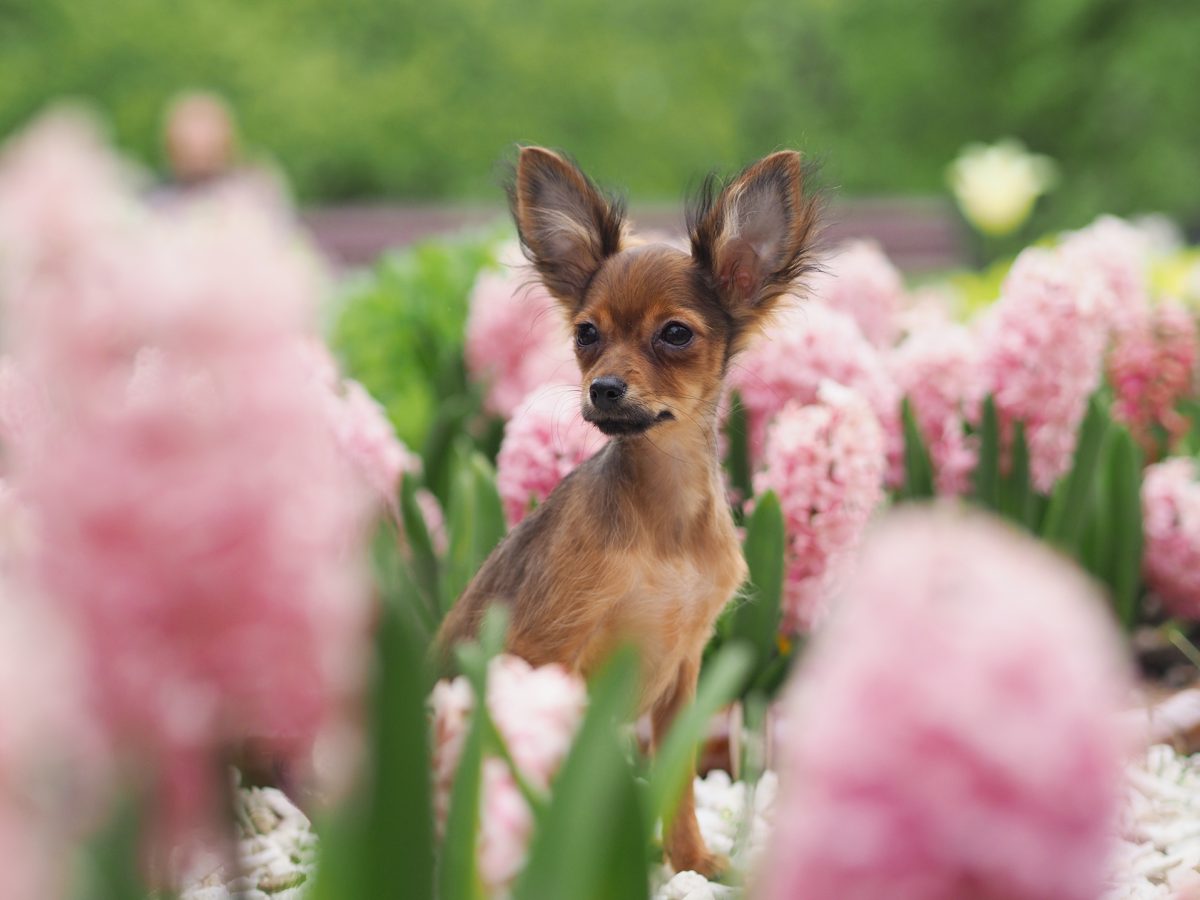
(18,402)
(937,368)
(1119,252)
(361,428)
(516,339)
(1041,348)
(807,345)
(47,743)
(60,186)
(366,438)
(536,712)
(195,518)
(859,280)
(953,732)
(1153,364)
(825,463)
(1171,524)
(543,441)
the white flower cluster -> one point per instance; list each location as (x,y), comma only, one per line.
(1159,852)
(1158,856)
(276,848)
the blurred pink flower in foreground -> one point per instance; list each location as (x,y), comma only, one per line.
(61,186)
(18,402)
(953,732)
(860,280)
(1151,367)
(193,511)
(536,712)
(1042,346)
(806,345)
(39,752)
(936,367)
(1171,522)
(543,441)
(517,340)
(825,463)
(48,749)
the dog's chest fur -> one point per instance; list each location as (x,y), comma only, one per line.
(621,552)
(667,608)
(680,565)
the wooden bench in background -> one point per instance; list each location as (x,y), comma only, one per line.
(918,234)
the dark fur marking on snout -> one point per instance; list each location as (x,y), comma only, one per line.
(616,426)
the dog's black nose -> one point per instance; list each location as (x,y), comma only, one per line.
(606,392)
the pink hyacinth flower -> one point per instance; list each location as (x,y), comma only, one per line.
(18,402)
(1171,523)
(1152,366)
(544,440)
(517,339)
(1041,348)
(805,346)
(61,186)
(936,367)
(954,731)
(194,515)
(1120,253)
(858,279)
(434,519)
(825,464)
(360,426)
(44,747)
(537,712)
(49,753)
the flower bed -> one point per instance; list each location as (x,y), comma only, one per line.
(1157,856)
(959,518)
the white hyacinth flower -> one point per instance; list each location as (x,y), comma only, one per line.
(997,184)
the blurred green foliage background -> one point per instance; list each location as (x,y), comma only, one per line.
(407,99)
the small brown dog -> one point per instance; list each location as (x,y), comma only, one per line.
(638,544)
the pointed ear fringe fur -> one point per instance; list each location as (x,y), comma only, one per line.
(706,215)
(591,236)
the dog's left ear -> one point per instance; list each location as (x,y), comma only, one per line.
(566,225)
(755,237)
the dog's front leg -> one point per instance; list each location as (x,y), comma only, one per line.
(681,835)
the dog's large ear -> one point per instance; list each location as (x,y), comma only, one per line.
(754,237)
(566,225)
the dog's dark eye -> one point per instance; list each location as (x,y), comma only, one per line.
(586,334)
(676,335)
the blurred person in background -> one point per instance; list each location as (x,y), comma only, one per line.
(200,139)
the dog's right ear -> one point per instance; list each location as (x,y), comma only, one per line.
(566,225)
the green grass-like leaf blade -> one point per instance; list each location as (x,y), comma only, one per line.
(755,619)
(491,527)
(113,858)
(424,561)
(1016,490)
(1125,517)
(476,522)
(987,471)
(397,583)
(458,871)
(918,467)
(1069,503)
(673,764)
(737,460)
(458,877)
(589,804)
(387,826)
